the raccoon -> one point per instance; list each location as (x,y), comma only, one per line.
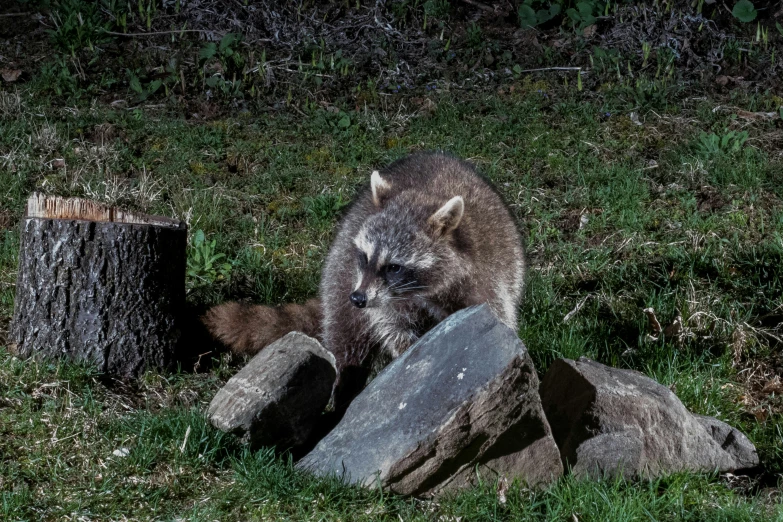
(428,237)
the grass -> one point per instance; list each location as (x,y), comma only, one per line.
(618,217)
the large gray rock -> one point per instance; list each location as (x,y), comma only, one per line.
(278,397)
(609,422)
(465,395)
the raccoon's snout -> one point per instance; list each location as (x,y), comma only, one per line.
(359,299)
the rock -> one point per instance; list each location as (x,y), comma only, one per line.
(465,394)
(608,421)
(278,397)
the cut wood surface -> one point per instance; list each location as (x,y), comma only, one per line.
(98,284)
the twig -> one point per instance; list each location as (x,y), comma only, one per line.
(297,109)
(15,14)
(479,5)
(576,309)
(543,69)
(158,32)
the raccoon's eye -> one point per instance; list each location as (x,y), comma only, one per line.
(362,259)
(393,269)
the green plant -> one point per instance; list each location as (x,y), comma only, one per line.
(227,74)
(56,76)
(324,206)
(142,91)
(744,11)
(475,36)
(584,13)
(225,50)
(646,48)
(147,85)
(204,267)
(604,60)
(437,8)
(713,144)
(535,12)
(77,24)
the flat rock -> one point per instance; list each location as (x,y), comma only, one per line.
(465,395)
(278,397)
(608,422)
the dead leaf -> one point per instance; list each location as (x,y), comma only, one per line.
(502,489)
(428,106)
(722,80)
(58,163)
(589,31)
(773,386)
(10,75)
(674,329)
(652,321)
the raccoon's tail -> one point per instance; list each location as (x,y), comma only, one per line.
(246,329)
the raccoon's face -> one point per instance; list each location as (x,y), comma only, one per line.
(389,264)
(400,253)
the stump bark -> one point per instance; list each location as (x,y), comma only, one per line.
(100,285)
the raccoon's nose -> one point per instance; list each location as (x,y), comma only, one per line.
(359,299)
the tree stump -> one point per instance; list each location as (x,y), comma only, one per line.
(100,285)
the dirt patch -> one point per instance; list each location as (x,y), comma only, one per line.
(105,133)
(571,220)
(709,199)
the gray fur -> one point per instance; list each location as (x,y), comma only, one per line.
(402,220)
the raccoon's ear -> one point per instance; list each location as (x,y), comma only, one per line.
(380,187)
(448,217)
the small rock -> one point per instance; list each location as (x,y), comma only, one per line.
(10,75)
(121,452)
(465,395)
(278,397)
(608,421)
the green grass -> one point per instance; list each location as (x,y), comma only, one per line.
(268,188)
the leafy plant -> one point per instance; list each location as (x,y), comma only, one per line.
(230,63)
(647,92)
(475,36)
(729,143)
(324,207)
(145,86)
(535,12)
(142,91)
(437,8)
(57,76)
(77,24)
(605,60)
(744,11)
(583,15)
(204,266)
(226,50)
